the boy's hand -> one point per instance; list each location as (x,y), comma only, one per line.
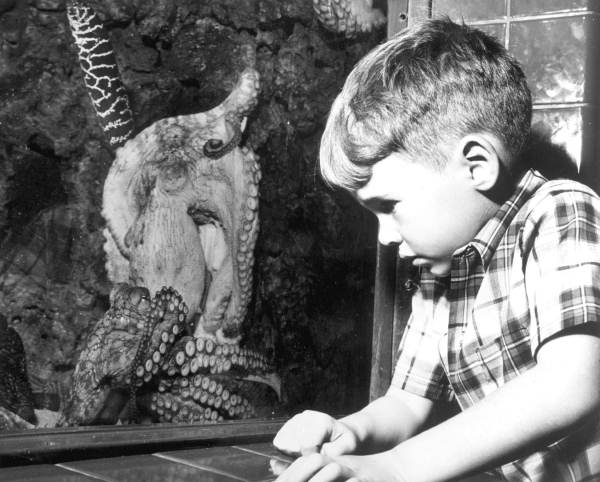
(314,467)
(310,432)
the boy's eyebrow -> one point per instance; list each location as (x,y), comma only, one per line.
(378,203)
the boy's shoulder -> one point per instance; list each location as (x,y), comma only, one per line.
(560,205)
(557,186)
(553,196)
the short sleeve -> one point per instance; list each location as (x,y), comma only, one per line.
(420,369)
(561,239)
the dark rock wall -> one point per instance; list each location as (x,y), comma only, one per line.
(312,300)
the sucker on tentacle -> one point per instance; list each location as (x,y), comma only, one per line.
(166,304)
(166,322)
(192,355)
(204,398)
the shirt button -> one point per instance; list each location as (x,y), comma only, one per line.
(410,285)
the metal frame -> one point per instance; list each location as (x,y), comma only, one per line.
(55,445)
(392,289)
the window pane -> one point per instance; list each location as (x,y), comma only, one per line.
(536,7)
(497,30)
(555,55)
(470,10)
(563,127)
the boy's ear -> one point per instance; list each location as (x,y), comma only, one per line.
(482,154)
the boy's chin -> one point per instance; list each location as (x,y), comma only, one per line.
(438,268)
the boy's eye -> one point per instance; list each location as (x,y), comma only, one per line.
(384,206)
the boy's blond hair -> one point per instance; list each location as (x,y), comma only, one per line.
(428,85)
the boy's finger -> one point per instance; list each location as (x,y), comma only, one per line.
(303,434)
(311,437)
(287,439)
(278,466)
(344,444)
(303,469)
(309,449)
(332,472)
(299,441)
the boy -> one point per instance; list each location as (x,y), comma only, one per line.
(427,133)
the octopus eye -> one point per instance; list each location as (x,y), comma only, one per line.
(213,145)
(216,148)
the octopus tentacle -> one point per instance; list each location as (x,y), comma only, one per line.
(247,236)
(101,74)
(190,356)
(200,397)
(349,17)
(210,356)
(165,322)
(168,310)
(244,96)
(170,408)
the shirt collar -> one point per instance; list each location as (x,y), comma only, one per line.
(489,236)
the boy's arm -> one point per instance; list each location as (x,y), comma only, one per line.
(382,424)
(387,421)
(537,407)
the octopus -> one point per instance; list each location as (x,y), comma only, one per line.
(349,17)
(141,352)
(181,209)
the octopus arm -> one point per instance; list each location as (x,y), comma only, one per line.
(218,299)
(270,379)
(244,96)
(349,17)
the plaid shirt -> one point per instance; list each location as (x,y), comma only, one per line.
(531,272)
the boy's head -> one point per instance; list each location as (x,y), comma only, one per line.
(418,94)
(422,132)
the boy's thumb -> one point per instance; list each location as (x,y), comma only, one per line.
(341,445)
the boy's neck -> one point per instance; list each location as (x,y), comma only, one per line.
(504,188)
